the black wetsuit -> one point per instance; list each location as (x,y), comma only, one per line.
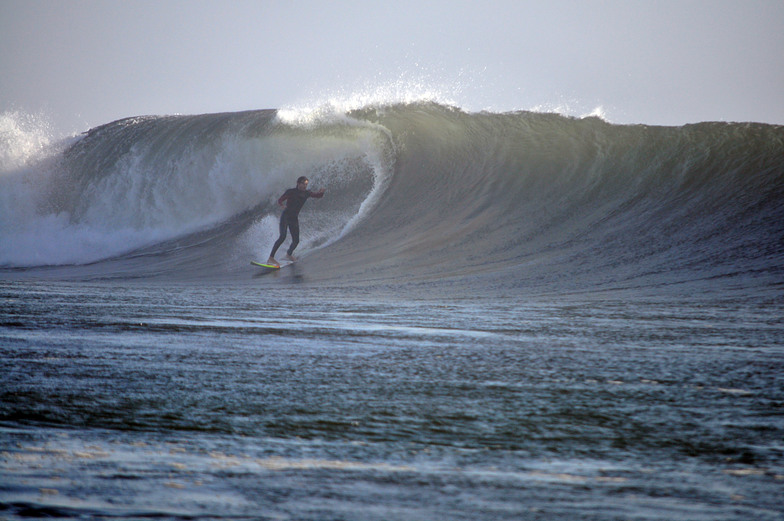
(295,199)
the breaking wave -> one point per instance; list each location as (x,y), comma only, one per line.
(421,193)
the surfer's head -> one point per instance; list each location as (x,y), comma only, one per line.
(302,182)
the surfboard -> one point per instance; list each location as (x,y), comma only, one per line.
(268,266)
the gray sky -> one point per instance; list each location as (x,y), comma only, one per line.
(82,63)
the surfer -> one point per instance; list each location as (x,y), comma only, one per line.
(294,198)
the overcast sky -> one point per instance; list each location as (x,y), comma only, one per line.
(82,63)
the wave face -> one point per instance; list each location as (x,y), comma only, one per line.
(418,194)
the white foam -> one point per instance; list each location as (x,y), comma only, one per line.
(22,138)
(333,107)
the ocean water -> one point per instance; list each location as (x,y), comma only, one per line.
(494,316)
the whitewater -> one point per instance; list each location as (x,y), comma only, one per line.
(513,315)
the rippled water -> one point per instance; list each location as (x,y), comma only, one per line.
(138,400)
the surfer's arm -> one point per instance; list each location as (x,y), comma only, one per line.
(318,195)
(282,199)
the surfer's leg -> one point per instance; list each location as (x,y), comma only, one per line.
(294,227)
(283,226)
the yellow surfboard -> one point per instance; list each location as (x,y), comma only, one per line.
(268,266)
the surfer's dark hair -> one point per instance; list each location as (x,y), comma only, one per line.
(301,179)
